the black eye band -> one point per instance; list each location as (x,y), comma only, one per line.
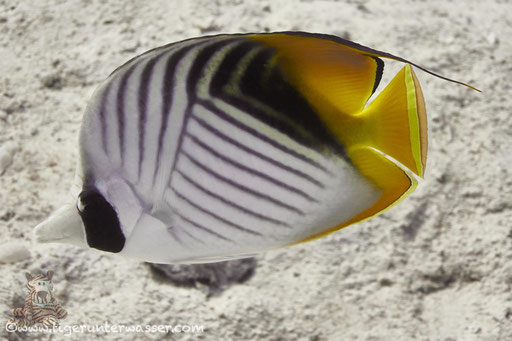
(102,226)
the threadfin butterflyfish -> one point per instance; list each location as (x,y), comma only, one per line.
(221,147)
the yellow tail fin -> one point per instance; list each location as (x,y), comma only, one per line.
(393,125)
(396,122)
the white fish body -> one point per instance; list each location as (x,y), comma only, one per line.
(212,149)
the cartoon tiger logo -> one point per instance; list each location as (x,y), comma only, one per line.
(40,304)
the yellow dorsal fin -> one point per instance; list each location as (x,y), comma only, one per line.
(297,44)
(329,74)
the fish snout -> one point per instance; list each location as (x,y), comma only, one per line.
(63,226)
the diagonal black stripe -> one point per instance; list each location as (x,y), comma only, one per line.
(296,117)
(145,83)
(194,76)
(201,227)
(167,96)
(210,213)
(121,114)
(103,117)
(241,187)
(238,165)
(264,93)
(221,114)
(201,60)
(191,235)
(251,151)
(230,203)
(226,68)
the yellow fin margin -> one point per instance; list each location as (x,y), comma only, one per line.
(395,182)
(395,122)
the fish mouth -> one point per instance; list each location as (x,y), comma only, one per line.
(41,237)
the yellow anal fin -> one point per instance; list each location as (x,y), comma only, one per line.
(395,122)
(394,182)
(334,77)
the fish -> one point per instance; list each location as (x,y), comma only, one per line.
(222,147)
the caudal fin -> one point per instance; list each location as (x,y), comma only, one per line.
(390,143)
(397,124)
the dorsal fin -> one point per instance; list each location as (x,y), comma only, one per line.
(277,38)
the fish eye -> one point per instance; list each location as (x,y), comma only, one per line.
(80,205)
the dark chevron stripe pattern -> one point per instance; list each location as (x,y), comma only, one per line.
(213,129)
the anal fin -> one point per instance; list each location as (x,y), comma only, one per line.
(394,181)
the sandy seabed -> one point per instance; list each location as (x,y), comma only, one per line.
(436,267)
